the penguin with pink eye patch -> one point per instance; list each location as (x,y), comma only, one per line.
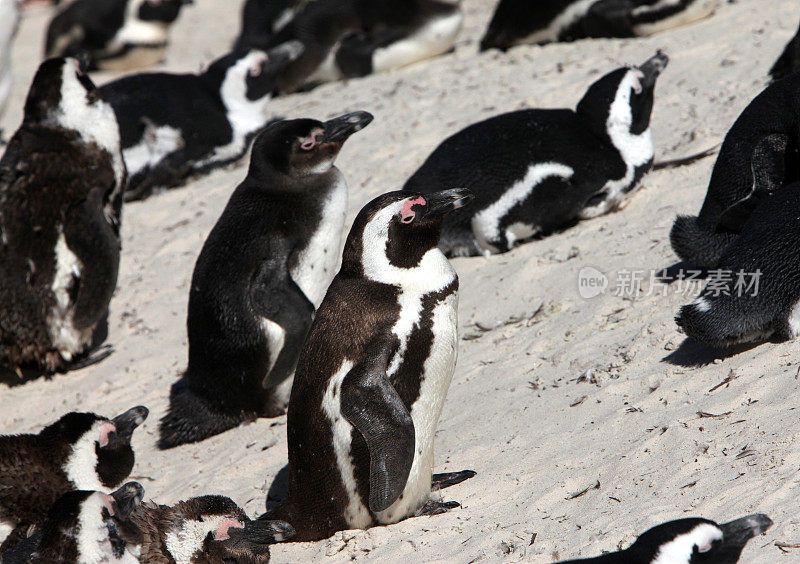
(261,274)
(175,126)
(80,451)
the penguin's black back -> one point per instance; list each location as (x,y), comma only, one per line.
(789,61)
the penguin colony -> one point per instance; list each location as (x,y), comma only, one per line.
(355,338)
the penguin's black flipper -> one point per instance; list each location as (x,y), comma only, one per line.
(372,405)
(92,239)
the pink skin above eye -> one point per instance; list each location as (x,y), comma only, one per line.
(258,63)
(221,532)
(108,501)
(105,430)
(407,215)
(311,141)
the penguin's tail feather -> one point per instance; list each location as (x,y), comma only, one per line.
(190,418)
(697,245)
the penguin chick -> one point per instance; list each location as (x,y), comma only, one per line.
(759,156)
(754,293)
(113,34)
(261,273)
(688,541)
(158,115)
(61,183)
(535,171)
(209,528)
(80,451)
(374,372)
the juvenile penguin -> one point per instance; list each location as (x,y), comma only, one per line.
(351,38)
(688,541)
(789,61)
(519,22)
(113,34)
(760,155)
(61,183)
(80,451)
(9,19)
(754,291)
(159,113)
(374,372)
(534,171)
(210,528)
(261,273)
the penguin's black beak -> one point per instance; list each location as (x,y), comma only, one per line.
(440,203)
(127,498)
(652,67)
(127,422)
(337,130)
(738,532)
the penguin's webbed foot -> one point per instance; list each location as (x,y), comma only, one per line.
(436,508)
(447,479)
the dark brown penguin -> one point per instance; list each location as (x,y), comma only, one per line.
(373,374)
(80,451)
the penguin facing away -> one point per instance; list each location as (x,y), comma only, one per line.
(262,271)
(759,156)
(520,22)
(61,183)
(158,115)
(113,34)
(80,451)
(373,374)
(9,21)
(789,61)
(535,171)
(688,541)
(754,292)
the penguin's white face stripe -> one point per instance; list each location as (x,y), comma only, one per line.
(569,16)
(680,549)
(93,543)
(156,143)
(65,338)
(486,223)
(81,466)
(185,541)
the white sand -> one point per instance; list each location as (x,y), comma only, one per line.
(637,431)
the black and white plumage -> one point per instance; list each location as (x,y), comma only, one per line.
(80,451)
(113,34)
(688,541)
(263,270)
(9,19)
(351,38)
(159,114)
(261,19)
(61,183)
(789,61)
(764,300)
(534,171)
(518,22)
(374,372)
(759,156)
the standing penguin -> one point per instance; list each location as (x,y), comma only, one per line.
(789,61)
(159,113)
(9,19)
(688,541)
(754,291)
(80,451)
(534,171)
(263,270)
(519,22)
(374,372)
(113,34)
(760,155)
(61,183)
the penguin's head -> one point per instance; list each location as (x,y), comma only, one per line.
(302,147)
(115,457)
(622,101)
(398,230)
(162,11)
(696,541)
(259,70)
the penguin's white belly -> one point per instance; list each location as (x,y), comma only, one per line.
(698,10)
(425,412)
(318,262)
(434,38)
(64,336)
(327,71)
(156,143)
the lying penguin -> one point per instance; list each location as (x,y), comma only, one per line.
(9,19)
(760,155)
(534,171)
(113,34)
(519,22)
(754,292)
(688,541)
(80,451)
(61,183)
(789,61)
(263,270)
(373,374)
(351,38)
(159,113)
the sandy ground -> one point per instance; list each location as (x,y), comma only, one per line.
(563,393)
